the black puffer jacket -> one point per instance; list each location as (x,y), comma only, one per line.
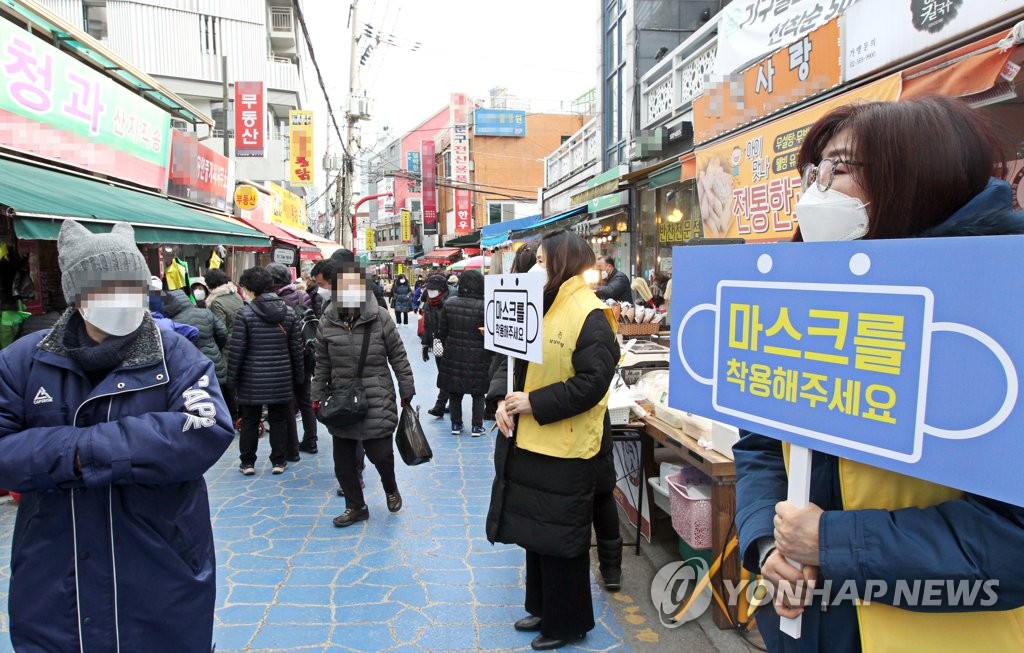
(431,317)
(542,503)
(402,297)
(464,368)
(338,346)
(265,363)
(213,335)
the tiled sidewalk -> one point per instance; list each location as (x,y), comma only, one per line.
(424,579)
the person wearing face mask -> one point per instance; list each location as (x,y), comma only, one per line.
(107,425)
(908,169)
(554,424)
(401,298)
(225,302)
(614,283)
(265,366)
(213,335)
(352,318)
(463,368)
(437,292)
(198,291)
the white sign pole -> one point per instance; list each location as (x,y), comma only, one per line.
(799,495)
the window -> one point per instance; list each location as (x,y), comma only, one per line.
(209,34)
(613,67)
(499,211)
(95,12)
(222,120)
(446,162)
(564,139)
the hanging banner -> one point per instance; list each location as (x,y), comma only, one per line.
(750,29)
(428,159)
(406,225)
(748,185)
(460,165)
(300,143)
(55,107)
(843,348)
(250,115)
(805,68)
(370,242)
(412,162)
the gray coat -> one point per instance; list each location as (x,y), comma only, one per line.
(213,335)
(338,346)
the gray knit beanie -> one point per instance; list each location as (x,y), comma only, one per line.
(88,260)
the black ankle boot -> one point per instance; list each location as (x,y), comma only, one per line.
(609,559)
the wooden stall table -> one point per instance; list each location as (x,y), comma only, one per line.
(722,472)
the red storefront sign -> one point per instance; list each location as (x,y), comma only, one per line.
(198,173)
(250,114)
(429,187)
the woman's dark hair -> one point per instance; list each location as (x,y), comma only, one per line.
(566,254)
(471,284)
(216,278)
(922,159)
(256,280)
(525,258)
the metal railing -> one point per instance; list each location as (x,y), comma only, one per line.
(281,20)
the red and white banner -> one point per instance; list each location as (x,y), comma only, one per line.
(460,165)
(428,181)
(250,114)
(198,173)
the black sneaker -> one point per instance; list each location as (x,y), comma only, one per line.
(247,470)
(308,447)
(293,458)
(437,412)
(279,468)
(394,501)
(351,516)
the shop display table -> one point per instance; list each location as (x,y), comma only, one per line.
(722,472)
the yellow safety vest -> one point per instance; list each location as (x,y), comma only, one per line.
(889,629)
(578,436)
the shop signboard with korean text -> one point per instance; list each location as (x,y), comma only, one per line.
(844,348)
(513,315)
(499,122)
(878,33)
(246,197)
(428,160)
(796,71)
(412,162)
(460,165)
(250,118)
(750,29)
(289,208)
(55,107)
(406,225)
(300,144)
(199,173)
(370,241)
(748,185)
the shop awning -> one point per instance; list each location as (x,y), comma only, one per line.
(325,245)
(970,70)
(468,240)
(546,223)
(43,198)
(493,235)
(441,255)
(281,237)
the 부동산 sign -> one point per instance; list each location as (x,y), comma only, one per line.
(846,348)
(56,107)
(513,315)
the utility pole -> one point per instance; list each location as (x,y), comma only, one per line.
(224,90)
(346,219)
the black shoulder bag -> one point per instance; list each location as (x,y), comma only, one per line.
(347,406)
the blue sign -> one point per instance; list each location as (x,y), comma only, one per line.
(499,122)
(412,161)
(898,354)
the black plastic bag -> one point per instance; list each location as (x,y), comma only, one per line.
(412,443)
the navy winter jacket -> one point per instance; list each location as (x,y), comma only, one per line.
(119,556)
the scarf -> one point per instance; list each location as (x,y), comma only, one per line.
(98,359)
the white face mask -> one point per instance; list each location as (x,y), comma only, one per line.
(116,315)
(433,293)
(604,275)
(831,216)
(542,272)
(200,295)
(351,298)
(325,294)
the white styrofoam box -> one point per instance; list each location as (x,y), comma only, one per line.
(667,469)
(723,436)
(660,493)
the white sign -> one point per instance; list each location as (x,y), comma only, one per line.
(750,29)
(513,315)
(284,256)
(880,32)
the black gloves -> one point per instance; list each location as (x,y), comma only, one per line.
(426,351)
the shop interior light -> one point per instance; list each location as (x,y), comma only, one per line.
(591,276)
(675,216)
(622,226)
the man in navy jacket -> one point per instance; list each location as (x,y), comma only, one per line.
(107,424)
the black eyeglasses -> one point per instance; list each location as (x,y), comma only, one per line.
(823,174)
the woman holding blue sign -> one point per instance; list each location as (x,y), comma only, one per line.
(882,171)
(546,466)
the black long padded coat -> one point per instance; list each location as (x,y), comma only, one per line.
(338,345)
(265,360)
(213,335)
(542,503)
(465,366)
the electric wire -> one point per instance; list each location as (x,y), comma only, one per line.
(319,76)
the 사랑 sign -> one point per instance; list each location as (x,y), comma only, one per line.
(845,348)
(513,315)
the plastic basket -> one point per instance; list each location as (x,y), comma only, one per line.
(619,416)
(691,517)
(634,329)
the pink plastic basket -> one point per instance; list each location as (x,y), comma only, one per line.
(691,517)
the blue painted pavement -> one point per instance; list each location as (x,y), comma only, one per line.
(424,579)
